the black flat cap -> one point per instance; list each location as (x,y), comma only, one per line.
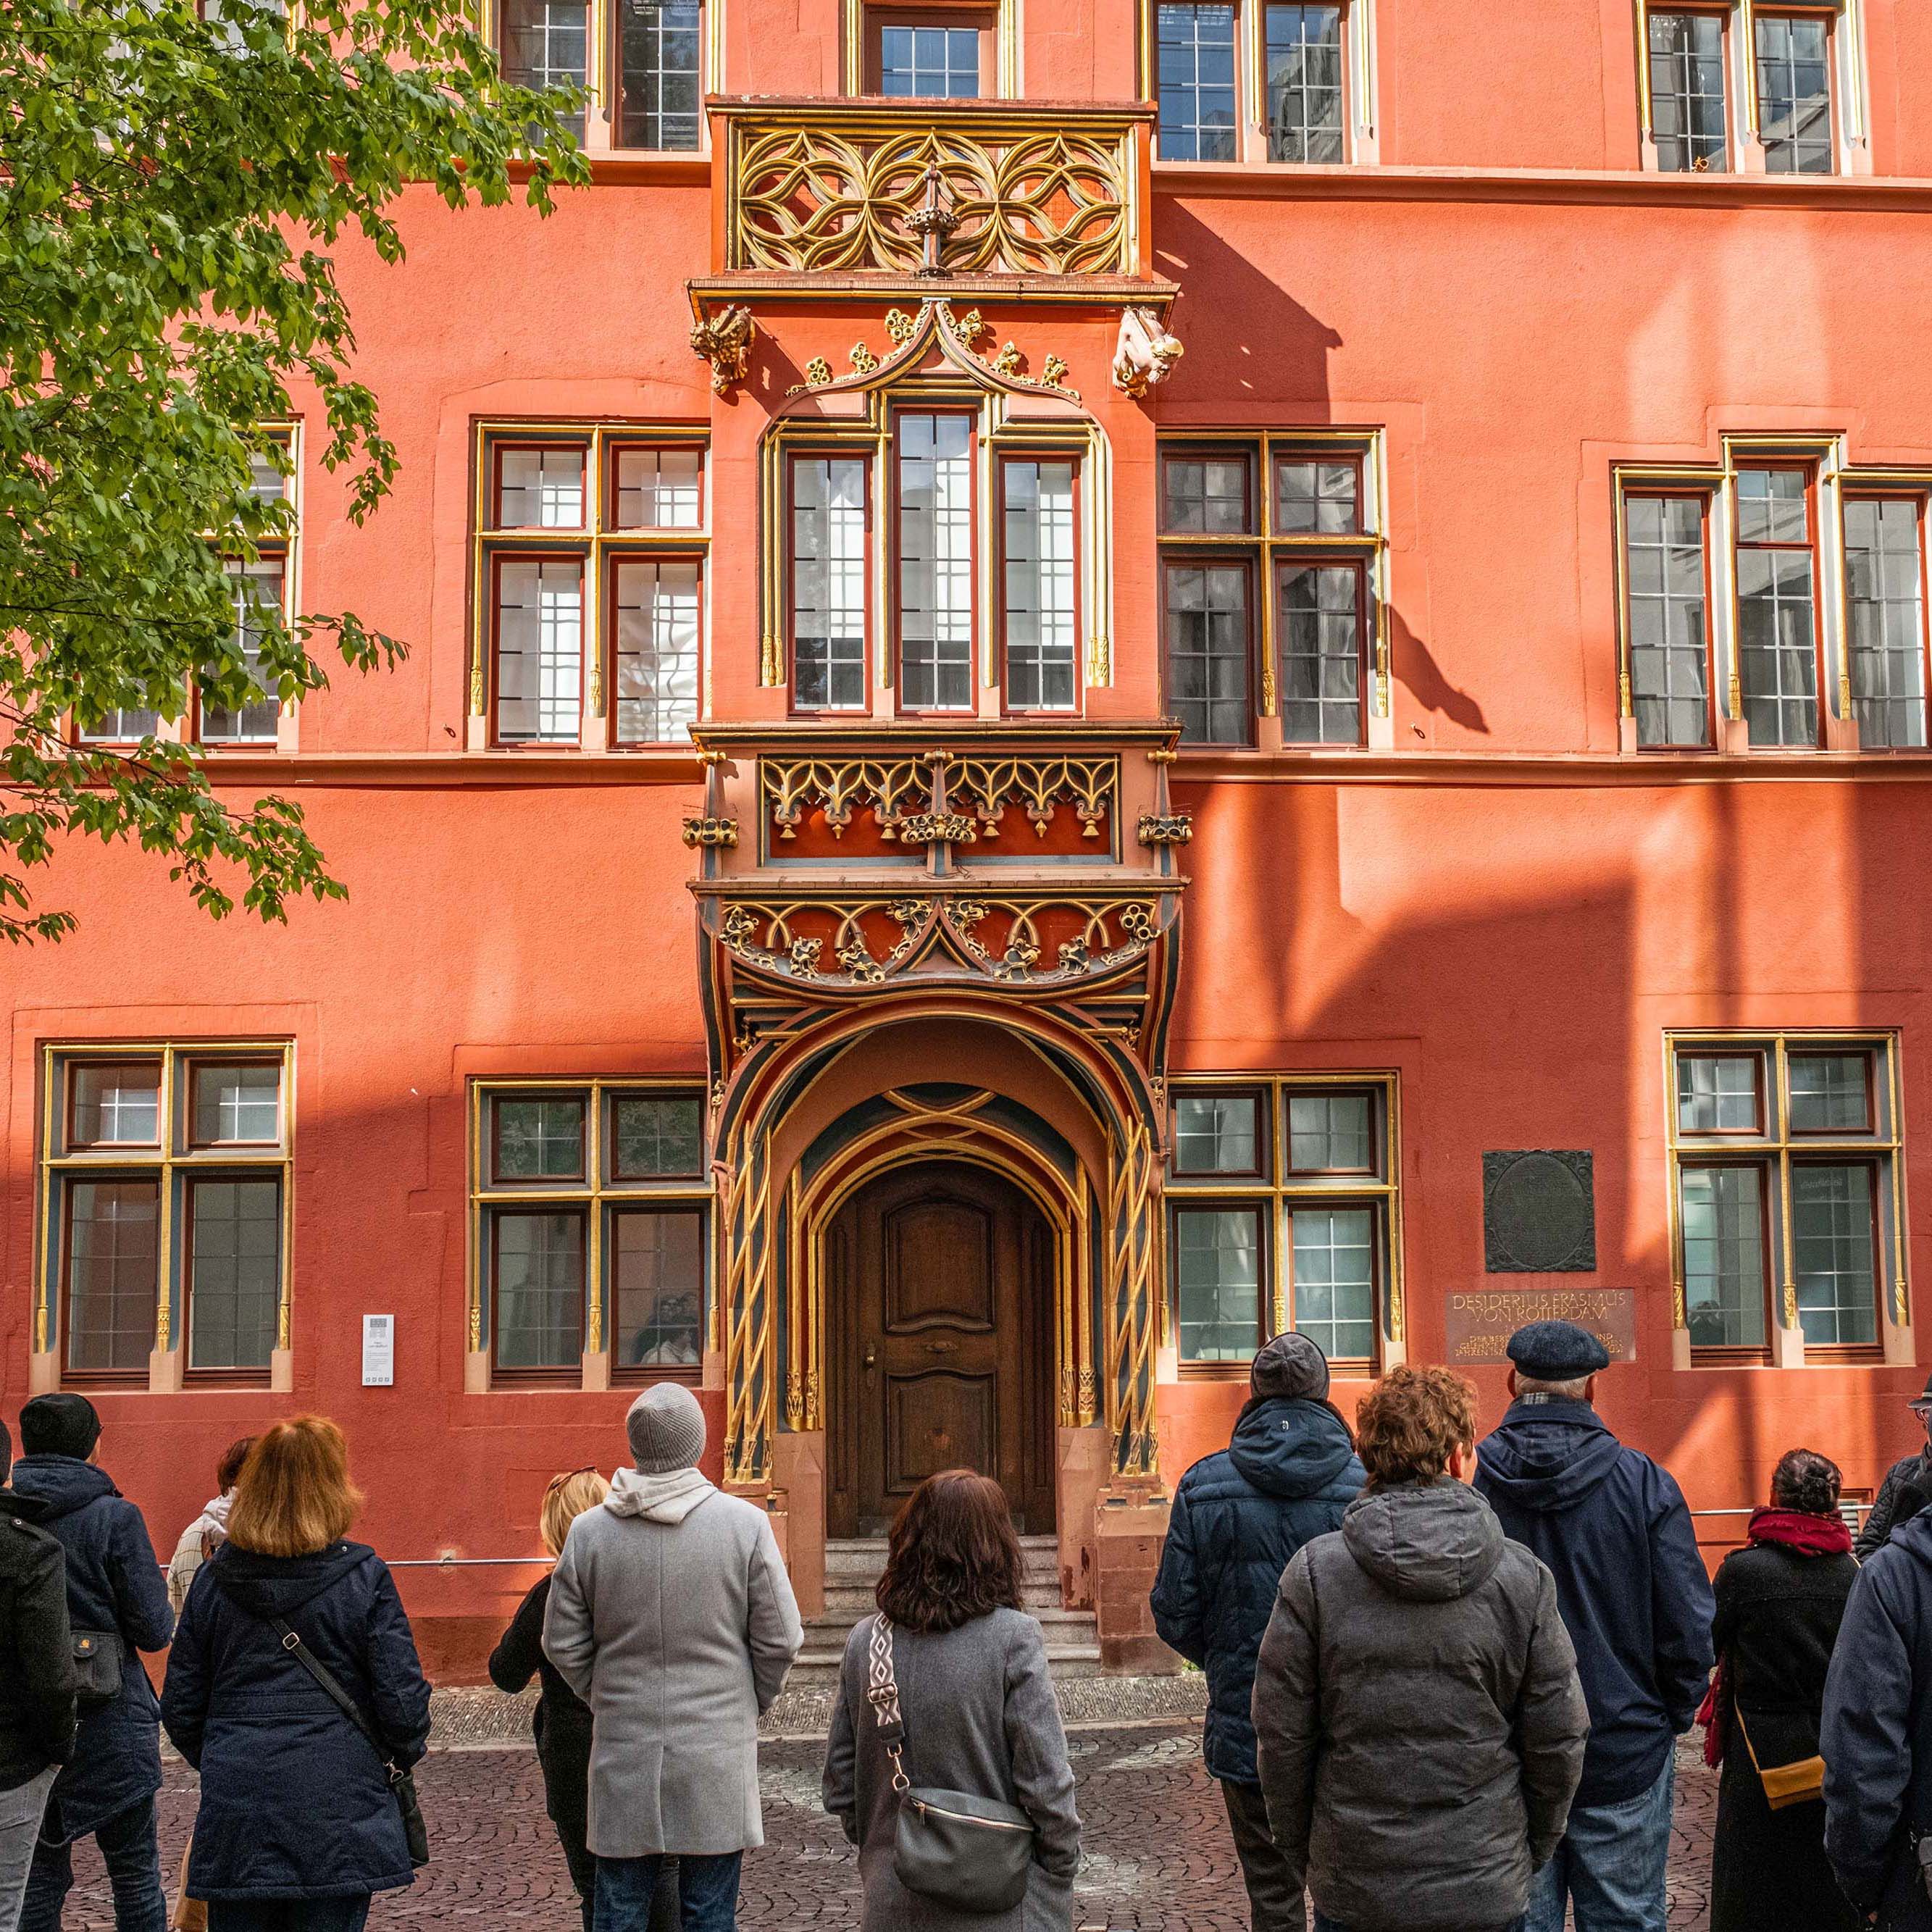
(1557,1351)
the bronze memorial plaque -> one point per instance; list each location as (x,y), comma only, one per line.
(1481,1322)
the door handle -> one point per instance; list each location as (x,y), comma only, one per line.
(872,1358)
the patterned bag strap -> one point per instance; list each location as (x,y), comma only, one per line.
(883,1694)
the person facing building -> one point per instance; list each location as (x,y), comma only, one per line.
(1906,1484)
(1238,1516)
(116,1600)
(204,1536)
(298,1826)
(1418,1723)
(37,1689)
(671,1616)
(1781,1602)
(1613,1526)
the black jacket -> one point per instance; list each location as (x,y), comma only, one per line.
(1238,1517)
(562,1723)
(1418,1719)
(113,1583)
(36,1652)
(1877,1733)
(1915,1468)
(294,1801)
(1635,1598)
(1778,1614)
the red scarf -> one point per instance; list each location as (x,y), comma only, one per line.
(1796,1530)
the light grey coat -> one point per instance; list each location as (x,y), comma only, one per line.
(671,1616)
(980,1716)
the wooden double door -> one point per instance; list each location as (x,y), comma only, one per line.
(939,1296)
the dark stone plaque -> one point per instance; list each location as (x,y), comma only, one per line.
(1539,1212)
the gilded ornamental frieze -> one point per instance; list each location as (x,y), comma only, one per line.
(956,189)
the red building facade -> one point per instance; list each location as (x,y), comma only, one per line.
(1269,668)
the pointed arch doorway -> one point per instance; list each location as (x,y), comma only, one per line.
(940,1278)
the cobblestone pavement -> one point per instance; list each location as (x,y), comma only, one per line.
(1158,1857)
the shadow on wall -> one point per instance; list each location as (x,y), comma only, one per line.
(1413,666)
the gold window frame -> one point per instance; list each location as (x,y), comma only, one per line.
(1267,546)
(598,541)
(595,1193)
(171,1160)
(998,435)
(1775,1146)
(1277,1191)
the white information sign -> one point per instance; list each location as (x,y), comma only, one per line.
(379,1350)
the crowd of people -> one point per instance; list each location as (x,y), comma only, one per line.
(1447,1674)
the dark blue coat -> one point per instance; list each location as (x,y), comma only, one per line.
(1876,1734)
(1635,1595)
(294,1802)
(113,1583)
(1288,1475)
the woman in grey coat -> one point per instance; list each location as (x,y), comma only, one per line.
(977,1704)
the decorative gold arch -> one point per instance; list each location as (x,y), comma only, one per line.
(926,1130)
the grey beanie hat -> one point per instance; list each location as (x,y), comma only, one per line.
(1290,1366)
(666,1427)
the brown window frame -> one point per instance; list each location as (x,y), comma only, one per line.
(1314,1202)
(1853,1351)
(1181,451)
(1921,502)
(500,447)
(1723,1354)
(1810,547)
(195,1063)
(1264,1169)
(493,693)
(1793,1132)
(1761,1130)
(1002,612)
(568,1375)
(615,560)
(1703,496)
(196,1178)
(951,14)
(71,1377)
(616,446)
(628,1374)
(531,1182)
(894,639)
(870,644)
(1285,559)
(1261,1206)
(70,1140)
(1207,557)
(1377,1134)
(608,1128)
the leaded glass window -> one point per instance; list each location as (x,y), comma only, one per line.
(1723,1236)
(657,612)
(1304,56)
(234,1271)
(1777,634)
(660,100)
(1209,650)
(828,583)
(935,563)
(1319,622)
(1042,646)
(1670,637)
(1793,56)
(539,650)
(1217,1265)
(1687,116)
(1885,598)
(546,44)
(1194,60)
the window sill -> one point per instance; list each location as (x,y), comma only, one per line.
(1424,764)
(639,167)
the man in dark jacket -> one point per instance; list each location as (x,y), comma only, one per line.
(1912,1472)
(1636,1600)
(1238,1517)
(36,1682)
(1418,1723)
(1876,1734)
(114,1587)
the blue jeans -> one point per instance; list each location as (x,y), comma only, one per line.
(1610,1865)
(133,1862)
(707,1892)
(1334,1925)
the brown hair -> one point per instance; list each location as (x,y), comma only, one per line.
(1804,1480)
(1411,1422)
(228,1471)
(569,1495)
(953,1555)
(294,1496)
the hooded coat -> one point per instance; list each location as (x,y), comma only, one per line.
(113,1583)
(1613,1529)
(1238,1517)
(294,1801)
(1419,1726)
(671,1616)
(1875,1733)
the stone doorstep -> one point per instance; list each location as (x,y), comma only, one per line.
(475,1718)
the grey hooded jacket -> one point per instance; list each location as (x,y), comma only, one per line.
(1419,1725)
(670,1615)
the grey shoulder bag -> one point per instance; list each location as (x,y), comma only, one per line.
(973,1854)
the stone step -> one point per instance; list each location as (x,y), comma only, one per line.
(861,1560)
(1073,1646)
(853,1599)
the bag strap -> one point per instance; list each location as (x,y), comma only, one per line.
(882,1693)
(291,1642)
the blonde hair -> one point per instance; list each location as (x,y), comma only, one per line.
(569,1496)
(293,1496)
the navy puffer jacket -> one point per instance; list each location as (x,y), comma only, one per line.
(113,1583)
(1288,1477)
(294,1802)
(1636,1597)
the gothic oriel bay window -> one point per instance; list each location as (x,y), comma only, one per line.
(1785,1152)
(641,63)
(591,1230)
(164,1192)
(591,547)
(1791,54)
(1689,122)
(942,554)
(1269,559)
(1777,606)
(1885,595)
(1283,1213)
